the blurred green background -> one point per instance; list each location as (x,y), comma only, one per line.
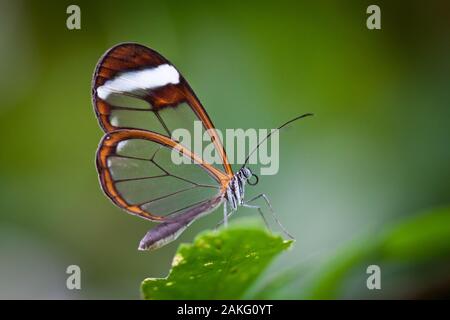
(376,153)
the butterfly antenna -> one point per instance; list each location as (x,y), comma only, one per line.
(274,130)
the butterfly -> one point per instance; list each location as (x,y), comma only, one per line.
(139,98)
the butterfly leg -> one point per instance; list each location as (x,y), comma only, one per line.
(260,213)
(226,214)
(266,200)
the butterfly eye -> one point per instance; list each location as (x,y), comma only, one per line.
(255,181)
(247,172)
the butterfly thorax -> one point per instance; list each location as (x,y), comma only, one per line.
(235,190)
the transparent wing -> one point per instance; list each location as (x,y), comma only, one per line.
(135,87)
(171,229)
(138,174)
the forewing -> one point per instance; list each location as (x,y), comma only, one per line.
(135,87)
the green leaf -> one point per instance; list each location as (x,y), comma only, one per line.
(421,241)
(218,265)
(423,237)
(415,241)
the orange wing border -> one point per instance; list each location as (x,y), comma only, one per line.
(107,148)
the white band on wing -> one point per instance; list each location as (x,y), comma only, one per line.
(142,79)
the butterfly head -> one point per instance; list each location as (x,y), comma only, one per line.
(247,174)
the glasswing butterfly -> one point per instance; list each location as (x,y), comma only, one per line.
(139,98)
